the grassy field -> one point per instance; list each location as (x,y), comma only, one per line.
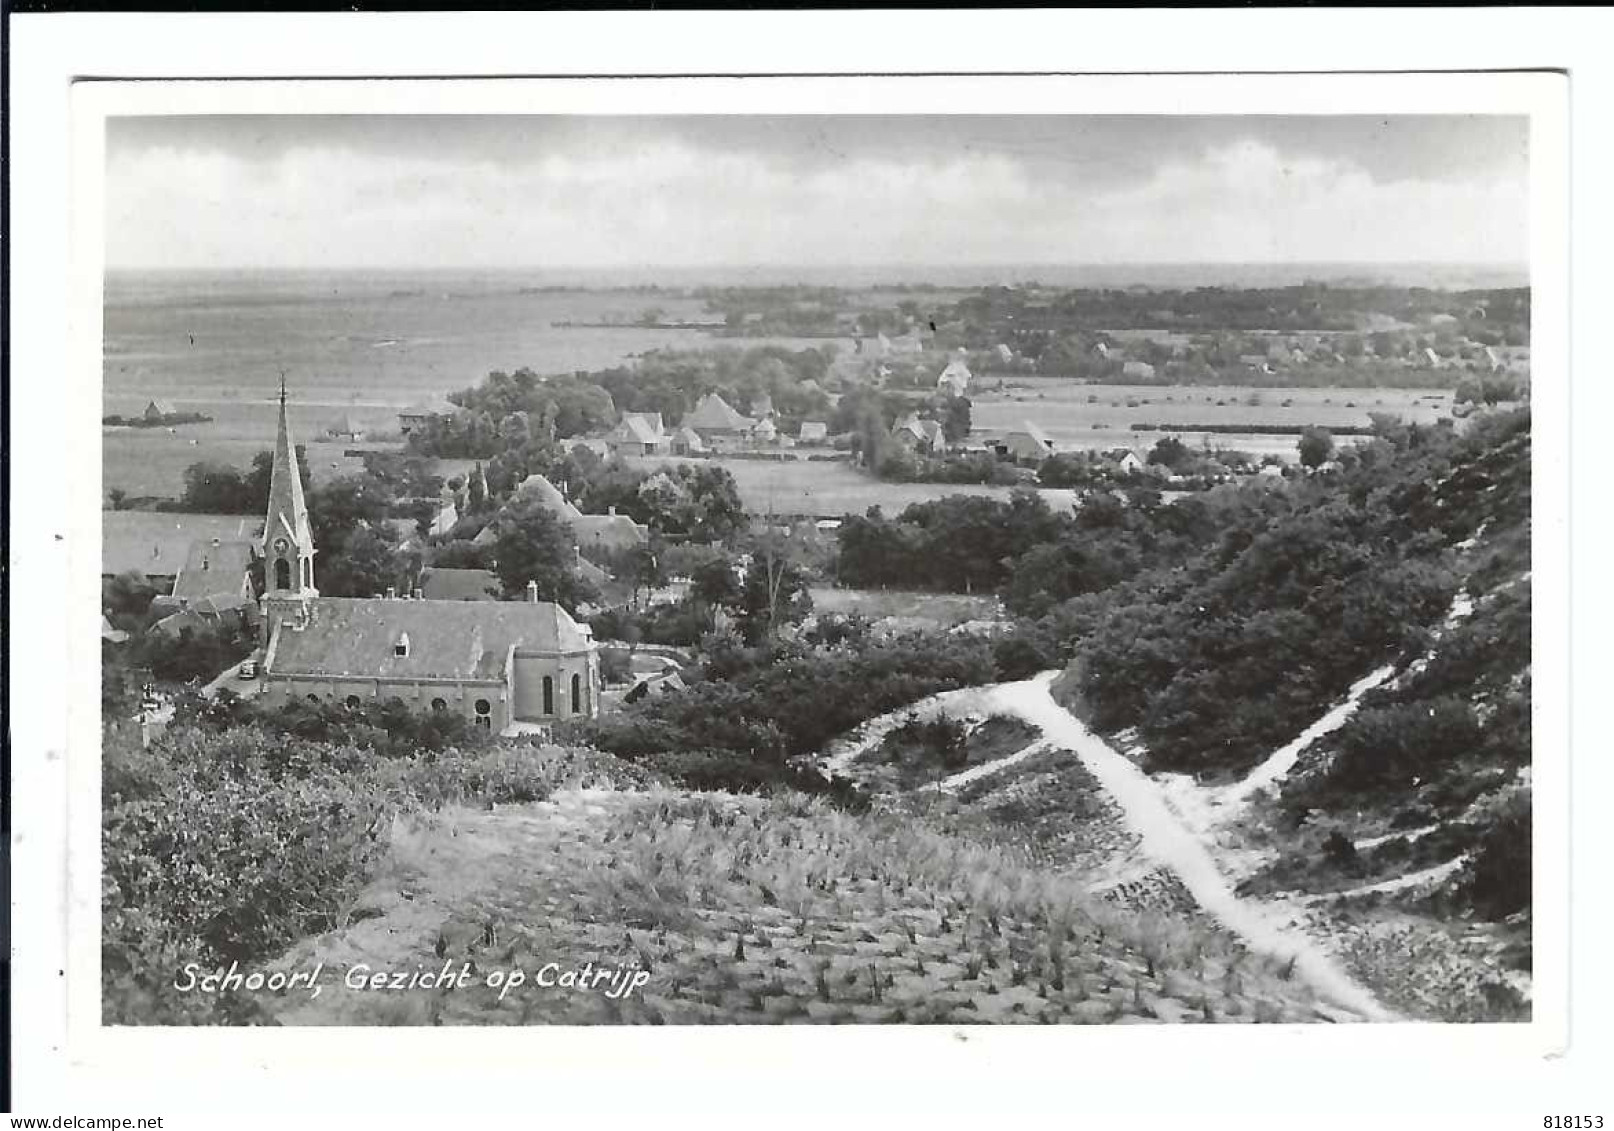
(834,489)
(943,609)
(1101,416)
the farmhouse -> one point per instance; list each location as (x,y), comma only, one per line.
(505,666)
(1027,443)
(1123,460)
(639,434)
(158,410)
(608,532)
(813,432)
(346,428)
(417,415)
(717,423)
(955,379)
(687,442)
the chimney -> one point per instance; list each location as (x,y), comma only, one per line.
(611,510)
(392,593)
(532,592)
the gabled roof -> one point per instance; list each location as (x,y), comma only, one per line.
(459,584)
(814,430)
(466,640)
(213,568)
(166,408)
(639,428)
(537,488)
(1035,434)
(609,530)
(158,543)
(713,413)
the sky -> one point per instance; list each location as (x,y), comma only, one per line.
(385,192)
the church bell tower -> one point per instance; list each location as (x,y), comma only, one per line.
(288,544)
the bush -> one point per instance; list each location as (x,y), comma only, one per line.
(1497,879)
(1387,748)
(229,846)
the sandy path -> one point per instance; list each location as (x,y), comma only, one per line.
(1169,842)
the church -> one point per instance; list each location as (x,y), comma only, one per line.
(508,666)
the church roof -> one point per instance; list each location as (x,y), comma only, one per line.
(462,640)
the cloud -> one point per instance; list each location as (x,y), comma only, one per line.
(674,202)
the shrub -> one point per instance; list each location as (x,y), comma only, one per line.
(1386,748)
(1497,879)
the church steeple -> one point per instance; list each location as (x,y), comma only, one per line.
(288,544)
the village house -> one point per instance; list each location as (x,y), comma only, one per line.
(157,411)
(592,533)
(919,435)
(639,434)
(955,379)
(813,432)
(212,569)
(717,424)
(1123,460)
(509,667)
(346,428)
(418,415)
(158,544)
(1025,444)
(687,442)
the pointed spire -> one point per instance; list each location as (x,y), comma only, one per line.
(288,514)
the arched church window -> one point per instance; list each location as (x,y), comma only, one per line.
(484,714)
(282,574)
(439,705)
(577,694)
(549,696)
(353,702)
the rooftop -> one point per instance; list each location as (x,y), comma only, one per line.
(466,640)
(159,542)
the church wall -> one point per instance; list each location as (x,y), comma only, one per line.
(458,697)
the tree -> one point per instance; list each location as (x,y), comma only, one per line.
(955,418)
(775,592)
(117,497)
(218,488)
(1170,452)
(365,565)
(1316,445)
(534,546)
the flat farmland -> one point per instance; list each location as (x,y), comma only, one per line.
(943,609)
(831,489)
(1079,416)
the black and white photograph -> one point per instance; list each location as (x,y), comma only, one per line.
(863,569)
(625,581)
